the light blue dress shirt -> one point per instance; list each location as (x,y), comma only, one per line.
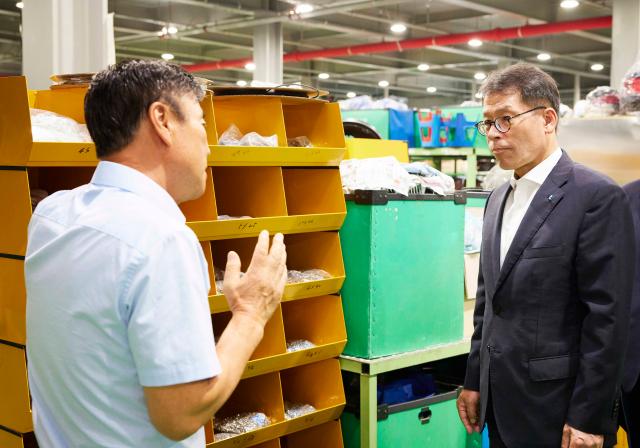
(117,290)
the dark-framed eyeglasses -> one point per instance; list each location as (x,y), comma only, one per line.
(502,124)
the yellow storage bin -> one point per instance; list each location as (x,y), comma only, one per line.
(16,208)
(313,191)
(249,191)
(17,146)
(261,114)
(275,443)
(326,435)
(366,148)
(317,120)
(318,384)
(271,350)
(318,250)
(258,394)
(13,301)
(10,439)
(15,405)
(203,208)
(287,200)
(319,320)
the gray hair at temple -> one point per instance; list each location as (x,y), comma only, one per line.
(536,87)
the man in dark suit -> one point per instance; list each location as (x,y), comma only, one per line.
(556,273)
(631,379)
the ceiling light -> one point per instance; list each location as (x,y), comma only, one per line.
(543,57)
(324,76)
(241,83)
(20,5)
(250,66)
(432,89)
(398,28)
(167,56)
(351,94)
(475,43)
(597,67)
(172,30)
(480,76)
(303,8)
(478,95)
(423,67)
(569,4)
(383,83)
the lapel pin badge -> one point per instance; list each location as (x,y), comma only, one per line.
(550,198)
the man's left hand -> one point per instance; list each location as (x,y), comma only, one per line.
(574,438)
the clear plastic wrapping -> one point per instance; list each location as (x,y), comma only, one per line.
(310,275)
(241,423)
(630,95)
(603,101)
(233,137)
(48,126)
(299,344)
(295,410)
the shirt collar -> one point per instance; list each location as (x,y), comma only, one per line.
(116,175)
(539,173)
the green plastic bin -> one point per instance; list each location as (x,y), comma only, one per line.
(405,272)
(431,422)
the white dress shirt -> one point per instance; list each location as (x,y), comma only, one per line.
(117,290)
(522,192)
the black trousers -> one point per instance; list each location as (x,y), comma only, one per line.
(630,415)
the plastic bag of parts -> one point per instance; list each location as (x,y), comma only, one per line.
(300,142)
(630,94)
(311,275)
(431,178)
(48,126)
(241,423)
(379,173)
(227,217)
(295,410)
(299,344)
(233,137)
(603,101)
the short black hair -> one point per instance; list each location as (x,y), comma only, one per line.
(119,97)
(536,87)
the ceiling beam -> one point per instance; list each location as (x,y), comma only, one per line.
(474,5)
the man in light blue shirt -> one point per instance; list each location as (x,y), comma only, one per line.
(119,337)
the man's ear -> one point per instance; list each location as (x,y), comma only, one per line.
(550,120)
(159,116)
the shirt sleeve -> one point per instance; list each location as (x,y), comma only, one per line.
(169,323)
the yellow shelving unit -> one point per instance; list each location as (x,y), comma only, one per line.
(293,190)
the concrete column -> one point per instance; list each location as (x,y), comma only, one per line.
(576,89)
(626,38)
(65,36)
(267,53)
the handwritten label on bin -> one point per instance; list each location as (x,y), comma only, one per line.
(247,226)
(306,222)
(240,153)
(313,286)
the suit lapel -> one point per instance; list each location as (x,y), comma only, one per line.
(546,199)
(493,225)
